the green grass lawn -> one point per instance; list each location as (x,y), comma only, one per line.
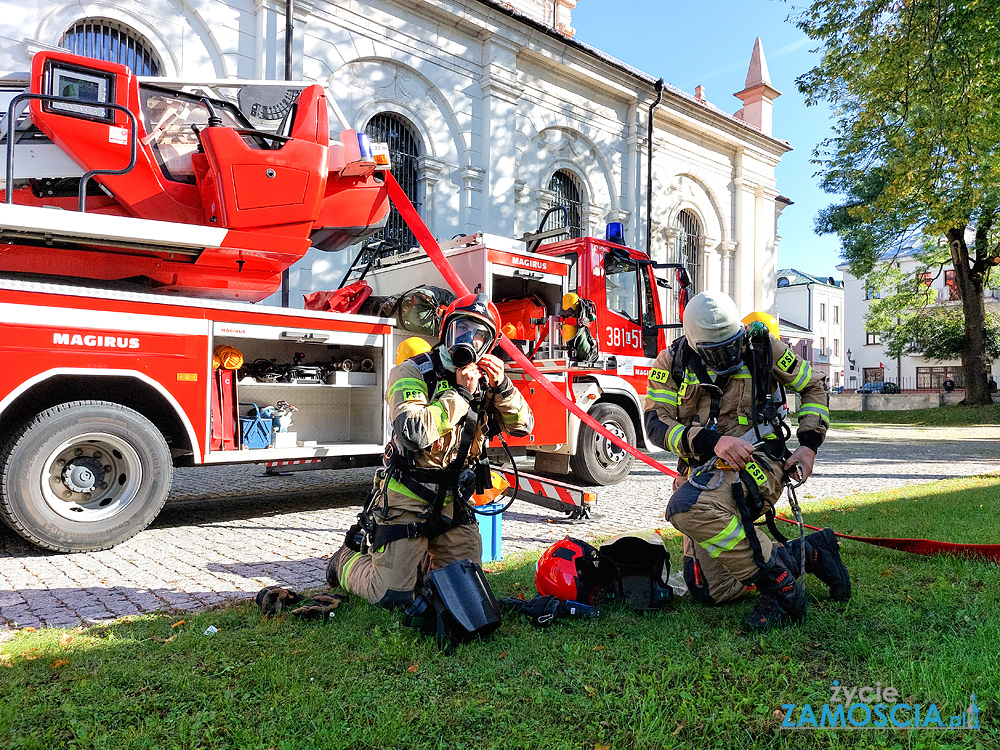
(930,627)
(943,416)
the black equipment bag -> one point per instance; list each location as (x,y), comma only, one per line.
(634,568)
(456,605)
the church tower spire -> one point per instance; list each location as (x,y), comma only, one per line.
(758,94)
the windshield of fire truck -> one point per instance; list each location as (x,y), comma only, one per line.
(622,285)
(168,117)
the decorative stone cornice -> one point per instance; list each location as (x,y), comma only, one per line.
(727,248)
(472,178)
(546,198)
(619,214)
(31,46)
(522,193)
(429,167)
(492,83)
(672,232)
(301,10)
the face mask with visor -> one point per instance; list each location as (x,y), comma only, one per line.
(723,357)
(467,340)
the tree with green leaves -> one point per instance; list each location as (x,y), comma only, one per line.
(915,89)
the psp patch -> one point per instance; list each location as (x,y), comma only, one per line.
(787,360)
(659,376)
(756,473)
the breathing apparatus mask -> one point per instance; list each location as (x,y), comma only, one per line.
(723,357)
(466,340)
(468,330)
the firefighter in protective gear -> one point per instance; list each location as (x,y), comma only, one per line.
(714,399)
(444,405)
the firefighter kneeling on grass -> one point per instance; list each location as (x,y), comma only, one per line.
(715,398)
(444,406)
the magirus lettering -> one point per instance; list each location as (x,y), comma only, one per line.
(529,263)
(95,341)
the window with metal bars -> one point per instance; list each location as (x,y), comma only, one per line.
(404,152)
(689,246)
(569,195)
(112,42)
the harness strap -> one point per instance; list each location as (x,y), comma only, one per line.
(432,528)
(746,518)
(772,526)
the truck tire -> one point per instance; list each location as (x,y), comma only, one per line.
(84,476)
(597,460)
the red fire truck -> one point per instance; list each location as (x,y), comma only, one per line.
(117,365)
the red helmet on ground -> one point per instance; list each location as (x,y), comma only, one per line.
(568,571)
(469,328)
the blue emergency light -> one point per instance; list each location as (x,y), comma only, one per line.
(615,232)
(365,146)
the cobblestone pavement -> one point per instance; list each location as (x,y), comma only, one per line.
(228,531)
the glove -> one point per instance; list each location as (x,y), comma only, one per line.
(322,607)
(274,600)
(542,610)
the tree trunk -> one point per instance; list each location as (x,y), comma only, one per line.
(970,285)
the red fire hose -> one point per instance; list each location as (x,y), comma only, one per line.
(433,250)
(989,552)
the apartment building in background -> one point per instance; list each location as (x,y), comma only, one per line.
(811,318)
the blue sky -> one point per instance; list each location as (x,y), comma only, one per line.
(709,42)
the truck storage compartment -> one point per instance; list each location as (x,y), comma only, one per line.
(516,280)
(336,390)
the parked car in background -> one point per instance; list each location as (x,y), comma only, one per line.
(837,389)
(878,387)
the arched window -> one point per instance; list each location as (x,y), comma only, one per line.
(404,151)
(568,194)
(112,42)
(688,245)
(783,281)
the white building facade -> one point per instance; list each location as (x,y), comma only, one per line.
(502,112)
(812,321)
(868,359)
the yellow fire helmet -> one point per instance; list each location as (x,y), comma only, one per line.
(569,303)
(411,347)
(769,320)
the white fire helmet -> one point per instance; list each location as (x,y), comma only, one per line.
(713,327)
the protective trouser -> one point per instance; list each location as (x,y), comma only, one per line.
(387,576)
(719,559)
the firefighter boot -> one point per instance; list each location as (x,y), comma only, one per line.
(823,561)
(781,600)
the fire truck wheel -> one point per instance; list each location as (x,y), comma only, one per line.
(597,459)
(84,476)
